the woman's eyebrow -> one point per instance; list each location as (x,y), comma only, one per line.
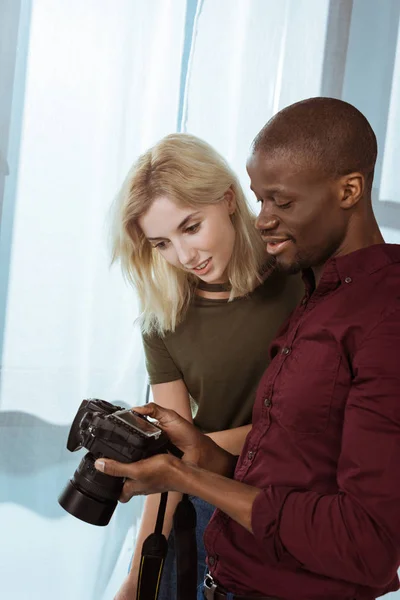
(187,219)
(180,226)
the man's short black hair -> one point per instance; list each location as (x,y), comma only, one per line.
(324,133)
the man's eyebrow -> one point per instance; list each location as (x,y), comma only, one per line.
(180,226)
(274,191)
(271,191)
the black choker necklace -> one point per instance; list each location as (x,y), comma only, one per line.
(213,287)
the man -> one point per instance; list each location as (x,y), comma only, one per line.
(311,510)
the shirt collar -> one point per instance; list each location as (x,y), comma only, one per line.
(351,266)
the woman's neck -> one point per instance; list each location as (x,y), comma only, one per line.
(216,291)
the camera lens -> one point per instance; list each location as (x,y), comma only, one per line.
(91,495)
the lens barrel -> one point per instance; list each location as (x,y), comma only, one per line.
(90,495)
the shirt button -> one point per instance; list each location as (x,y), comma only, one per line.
(304,300)
(250,455)
(348,280)
(285,350)
(267,402)
(211,561)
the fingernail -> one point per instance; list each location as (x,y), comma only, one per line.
(100,464)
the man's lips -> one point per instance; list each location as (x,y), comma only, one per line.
(276,245)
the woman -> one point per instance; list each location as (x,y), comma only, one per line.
(210,305)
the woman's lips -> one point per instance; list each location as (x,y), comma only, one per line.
(205,269)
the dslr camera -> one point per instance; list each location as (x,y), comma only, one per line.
(107,431)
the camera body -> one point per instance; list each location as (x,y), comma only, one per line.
(108,431)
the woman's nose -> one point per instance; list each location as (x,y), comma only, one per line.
(186,255)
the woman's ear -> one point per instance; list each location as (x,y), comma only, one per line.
(230,198)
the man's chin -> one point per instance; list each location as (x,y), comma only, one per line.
(288,268)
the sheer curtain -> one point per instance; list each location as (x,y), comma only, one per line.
(101,84)
(94,84)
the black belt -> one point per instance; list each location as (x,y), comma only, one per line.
(212,591)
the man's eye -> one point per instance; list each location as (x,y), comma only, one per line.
(286,205)
(193,228)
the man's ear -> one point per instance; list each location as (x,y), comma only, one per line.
(352,186)
(230,198)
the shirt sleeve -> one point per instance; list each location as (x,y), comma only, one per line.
(353,535)
(159,363)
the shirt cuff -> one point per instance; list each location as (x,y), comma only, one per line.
(265,521)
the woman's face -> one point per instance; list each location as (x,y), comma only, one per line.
(196,240)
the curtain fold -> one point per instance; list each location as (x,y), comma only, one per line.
(105,80)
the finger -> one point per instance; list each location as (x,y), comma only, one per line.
(164,416)
(145,409)
(116,469)
(131,489)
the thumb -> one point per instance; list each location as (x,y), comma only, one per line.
(149,410)
(114,468)
(164,416)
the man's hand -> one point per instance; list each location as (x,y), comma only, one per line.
(165,472)
(161,473)
(179,431)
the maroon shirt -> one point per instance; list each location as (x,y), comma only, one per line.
(324,446)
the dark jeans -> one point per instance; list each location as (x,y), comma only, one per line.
(167,591)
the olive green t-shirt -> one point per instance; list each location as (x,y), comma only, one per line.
(220,350)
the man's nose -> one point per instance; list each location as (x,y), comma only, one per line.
(266,220)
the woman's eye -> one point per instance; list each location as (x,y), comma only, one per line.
(193,228)
(159,246)
(286,205)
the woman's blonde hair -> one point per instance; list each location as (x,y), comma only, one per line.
(190,172)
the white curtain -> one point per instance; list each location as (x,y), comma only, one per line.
(96,82)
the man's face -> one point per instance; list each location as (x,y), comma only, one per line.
(300,220)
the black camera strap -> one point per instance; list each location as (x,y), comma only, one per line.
(186,549)
(155,548)
(154,551)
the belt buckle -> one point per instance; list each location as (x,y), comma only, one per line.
(210,585)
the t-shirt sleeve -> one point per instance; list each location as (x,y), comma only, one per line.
(159,363)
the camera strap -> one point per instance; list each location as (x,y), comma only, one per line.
(154,551)
(186,549)
(155,548)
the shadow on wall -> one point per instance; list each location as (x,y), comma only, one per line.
(34,468)
(35,464)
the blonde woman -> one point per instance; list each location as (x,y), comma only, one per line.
(186,240)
